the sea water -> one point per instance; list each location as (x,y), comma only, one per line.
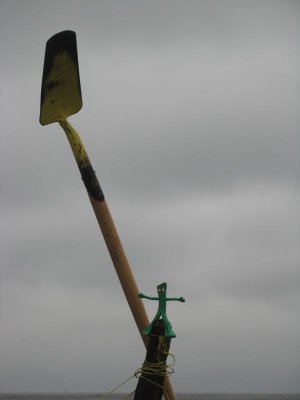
(182,396)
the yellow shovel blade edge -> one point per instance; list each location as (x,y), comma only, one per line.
(61,92)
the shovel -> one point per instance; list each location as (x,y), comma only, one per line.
(61,98)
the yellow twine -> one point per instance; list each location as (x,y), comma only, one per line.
(161,368)
(106,395)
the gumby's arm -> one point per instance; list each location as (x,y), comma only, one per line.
(176,298)
(143,296)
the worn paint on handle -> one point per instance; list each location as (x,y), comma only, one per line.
(87,173)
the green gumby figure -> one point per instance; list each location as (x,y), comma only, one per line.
(161,312)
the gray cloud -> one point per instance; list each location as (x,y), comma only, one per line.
(191,119)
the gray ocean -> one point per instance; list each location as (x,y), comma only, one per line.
(182,396)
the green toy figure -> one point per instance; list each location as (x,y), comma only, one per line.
(161,312)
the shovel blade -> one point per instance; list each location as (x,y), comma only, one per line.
(61,92)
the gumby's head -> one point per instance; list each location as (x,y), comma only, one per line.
(161,289)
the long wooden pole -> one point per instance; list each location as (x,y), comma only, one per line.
(110,235)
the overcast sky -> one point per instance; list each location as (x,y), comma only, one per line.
(191,119)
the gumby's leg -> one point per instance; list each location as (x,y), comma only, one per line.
(168,327)
(147,330)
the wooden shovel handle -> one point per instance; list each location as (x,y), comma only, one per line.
(124,273)
(120,262)
(111,237)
